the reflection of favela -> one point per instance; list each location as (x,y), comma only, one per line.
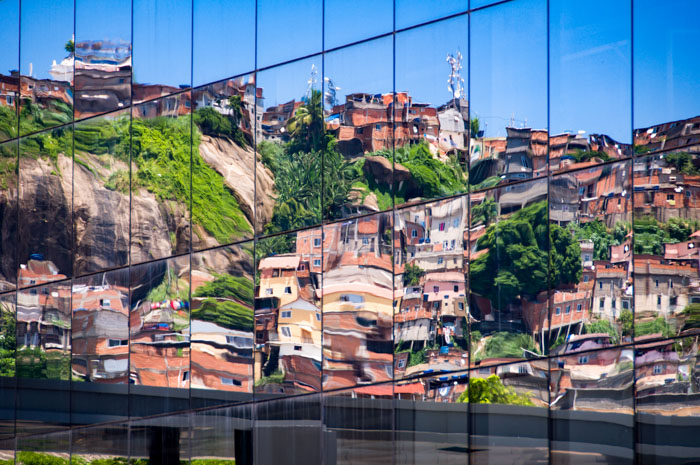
(376,293)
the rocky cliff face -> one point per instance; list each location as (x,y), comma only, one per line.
(242,172)
(65,207)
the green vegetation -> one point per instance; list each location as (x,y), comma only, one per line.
(492,391)
(41,458)
(227,286)
(650,235)
(8,122)
(213,123)
(8,340)
(226,313)
(601,236)
(582,156)
(683,162)
(603,326)
(517,253)
(691,313)
(37,363)
(485,212)
(171,287)
(507,345)
(275,378)
(657,325)
(433,177)
(412,274)
(34,118)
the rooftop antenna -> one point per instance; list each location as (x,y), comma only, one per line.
(331,92)
(311,83)
(455,83)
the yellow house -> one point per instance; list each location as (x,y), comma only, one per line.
(355,297)
(299,322)
(278,278)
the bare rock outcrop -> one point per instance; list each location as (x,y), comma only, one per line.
(238,167)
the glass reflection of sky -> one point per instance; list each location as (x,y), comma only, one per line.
(590,52)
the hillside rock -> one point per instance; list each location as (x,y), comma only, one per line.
(238,167)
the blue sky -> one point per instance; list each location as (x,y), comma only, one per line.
(590,55)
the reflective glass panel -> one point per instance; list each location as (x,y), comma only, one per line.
(590,63)
(591,395)
(347,22)
(102,56)
(162,39)
(431,120)
(279,35)
(46,64)
(45,239)
(161,177)
(100,347)
(43,364)
(223,39)
(222,325)
(666,237)
(289,141)
(411,12)
(9,66)
(666,397)
(358,102)
(508,413)
(223,435)
(8,214)
(430,314)
(666,100)
(100,444)
(288,320)
(51,448)
(101,192)
(160,440)
(159,345)
(508,93)
(358,424)
(274,440)
(8,346)
(431,420)
(223,158)
(591,306)
(508,270)
(358,301)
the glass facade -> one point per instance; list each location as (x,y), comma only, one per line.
(322,232)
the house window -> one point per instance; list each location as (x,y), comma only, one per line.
(288,290)
(378,127)
(625,304)
(317,242)
(583,359)
(558,311)
(578,308)
(286,332)
(287,314)
(414,233)
(673,301)
(657,283)
(230,382)
(586,278)
(658,300)
(440,261)
(614,303)
(522,369)
(436,288)
(268,291)
(317,262)
(601,303)
(442,226)
(318,317)
(568,309)
(456,288)
(670,283)
(600,284)
(365,241)
(402,363)
(658,369)
(105,303)
(669,196)
(186,376)
(352,298)
(117,342)
(460,305)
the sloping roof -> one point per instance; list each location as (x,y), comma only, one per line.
(280,261)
